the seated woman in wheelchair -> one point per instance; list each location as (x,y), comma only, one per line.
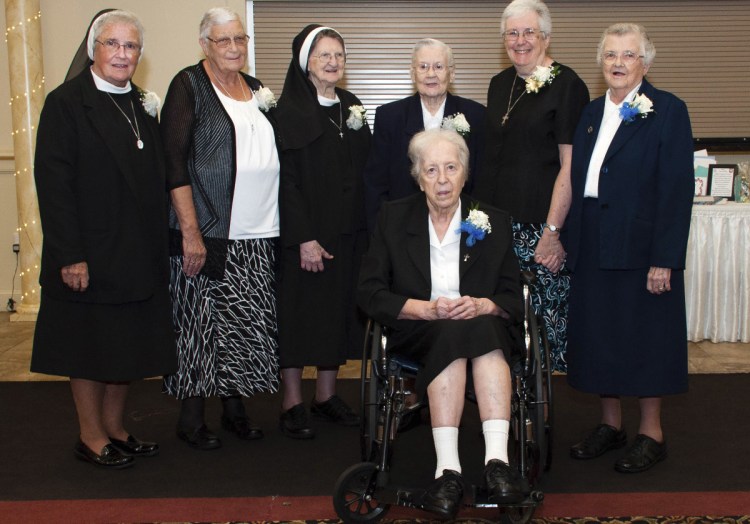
(441,273)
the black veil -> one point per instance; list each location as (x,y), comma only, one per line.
(81,60)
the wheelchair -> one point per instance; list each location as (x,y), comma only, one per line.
(364,492)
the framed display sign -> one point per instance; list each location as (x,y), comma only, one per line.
(721,180)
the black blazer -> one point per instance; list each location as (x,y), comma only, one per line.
(97,203)
(646,186)
(397,265)
(387,173)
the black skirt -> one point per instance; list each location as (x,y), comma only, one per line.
(105,342)
(436,344)
(623,340)
(319,323)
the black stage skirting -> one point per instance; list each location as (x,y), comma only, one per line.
(707,432)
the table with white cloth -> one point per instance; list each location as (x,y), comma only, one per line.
(717,273)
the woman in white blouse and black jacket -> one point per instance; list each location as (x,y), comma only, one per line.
(450,294)
(223,174)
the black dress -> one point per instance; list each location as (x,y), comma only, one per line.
(522,156)
(120,329)
(322,199)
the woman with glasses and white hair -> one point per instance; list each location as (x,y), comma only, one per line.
(104,318)
(532,110)
(387,174)
(223,175)
(632,186)
(325,140)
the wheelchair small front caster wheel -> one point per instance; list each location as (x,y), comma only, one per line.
(354,495)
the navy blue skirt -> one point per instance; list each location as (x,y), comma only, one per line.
(623,340)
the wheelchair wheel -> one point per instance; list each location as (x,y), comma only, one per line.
(540,405)
(354,495)
(545,387)
(369,393)
(517,514)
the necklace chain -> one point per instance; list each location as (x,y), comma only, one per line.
(340,125)
(223,88)
(510,99)
(136,130)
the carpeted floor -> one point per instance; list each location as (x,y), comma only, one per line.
(707,473)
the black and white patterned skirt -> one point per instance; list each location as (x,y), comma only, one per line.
(227,335)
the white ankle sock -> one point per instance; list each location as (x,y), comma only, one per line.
(495,439)
(446,449)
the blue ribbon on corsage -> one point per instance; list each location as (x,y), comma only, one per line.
(476,226)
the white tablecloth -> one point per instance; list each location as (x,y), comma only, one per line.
(717,273)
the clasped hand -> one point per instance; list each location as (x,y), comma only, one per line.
(461,308)
(550,252)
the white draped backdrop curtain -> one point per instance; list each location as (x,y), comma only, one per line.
(717,275)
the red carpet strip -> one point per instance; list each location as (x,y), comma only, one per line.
(596,507)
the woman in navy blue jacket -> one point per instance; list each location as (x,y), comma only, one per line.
(627,233)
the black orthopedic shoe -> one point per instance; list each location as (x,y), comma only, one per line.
(502,484)
(335,410)
(109,457)
(199,438)
(294,423)
(444,495)
(642,455)
(242,427)
(132,447)
(601,439)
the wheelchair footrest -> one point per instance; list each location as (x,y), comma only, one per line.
(480,499)
(400,496)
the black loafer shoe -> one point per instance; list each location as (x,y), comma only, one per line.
(603,438)
(201,438)
(642,455)
(294,423)
(242,427)
(444,495)
(501,482)
(335,410)
(132,447)
(108,458)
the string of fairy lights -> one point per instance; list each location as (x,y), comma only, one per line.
(30,289)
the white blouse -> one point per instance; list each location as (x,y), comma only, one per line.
(445,258)
(430,121)
(610,124)
(255,207)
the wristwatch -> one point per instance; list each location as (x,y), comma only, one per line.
(552,227)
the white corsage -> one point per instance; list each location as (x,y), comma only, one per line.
(476,226)
(457,123)
(542,76)
(266,99)
(150,101)
(640,106)
(356,117)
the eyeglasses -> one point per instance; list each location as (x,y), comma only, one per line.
(529,34)
(223,43)
(112,46)
(626,57)
(424,67)
(326,57)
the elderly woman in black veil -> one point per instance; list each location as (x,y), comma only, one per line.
(104,318)
(325,141)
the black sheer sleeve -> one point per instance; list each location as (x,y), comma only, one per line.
(177,121)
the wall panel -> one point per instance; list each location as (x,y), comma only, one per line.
(701,47)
